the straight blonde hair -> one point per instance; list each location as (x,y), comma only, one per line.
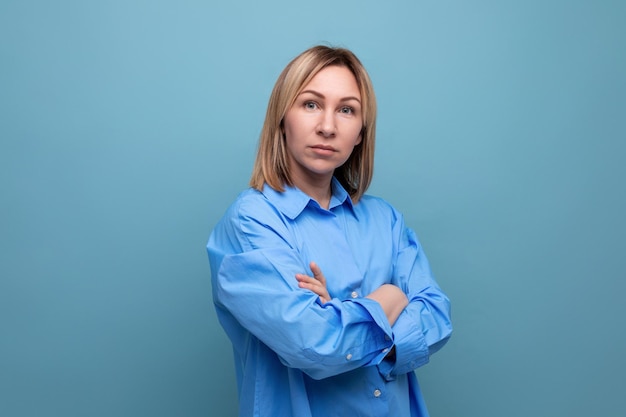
(271,166)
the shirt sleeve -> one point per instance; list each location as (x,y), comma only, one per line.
(424,326)
(253,263)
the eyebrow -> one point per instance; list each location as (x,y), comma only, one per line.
(320,95)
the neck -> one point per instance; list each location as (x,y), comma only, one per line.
(319,190)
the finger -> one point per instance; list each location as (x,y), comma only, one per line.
(312,287)
(306,281)
(317,273)
(315,288)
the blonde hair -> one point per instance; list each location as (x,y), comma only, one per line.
(271,164)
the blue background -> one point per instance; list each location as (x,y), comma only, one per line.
(127,127)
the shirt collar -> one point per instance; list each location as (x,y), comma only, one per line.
(292,201)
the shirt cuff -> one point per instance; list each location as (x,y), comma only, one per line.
(411,348)
(372,310)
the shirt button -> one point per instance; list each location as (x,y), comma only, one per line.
(377,393)
(385,350)
(354,294)
(349,356)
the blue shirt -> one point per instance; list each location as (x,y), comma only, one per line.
(295,356)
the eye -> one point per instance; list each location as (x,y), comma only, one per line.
(310,105)
(346,110)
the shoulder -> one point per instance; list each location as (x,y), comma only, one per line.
(249,204)
(251,212)
(377,207)
(251,222)
(379,210)
(247,200)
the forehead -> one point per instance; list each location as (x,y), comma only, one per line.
(334,80)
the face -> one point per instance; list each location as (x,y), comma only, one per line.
(323,126)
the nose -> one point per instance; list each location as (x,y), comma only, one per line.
(327,124)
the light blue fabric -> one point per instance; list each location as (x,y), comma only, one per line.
(295,356)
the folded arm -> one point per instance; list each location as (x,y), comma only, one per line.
(253,267)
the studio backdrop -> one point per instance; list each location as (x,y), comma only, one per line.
(128,127)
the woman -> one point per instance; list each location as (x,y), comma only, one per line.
(326,295)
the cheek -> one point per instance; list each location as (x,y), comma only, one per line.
(290,136)
(358,134)
(290,127)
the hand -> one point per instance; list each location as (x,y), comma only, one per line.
(391,299)
(316,283)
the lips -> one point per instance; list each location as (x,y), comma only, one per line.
(324,148)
